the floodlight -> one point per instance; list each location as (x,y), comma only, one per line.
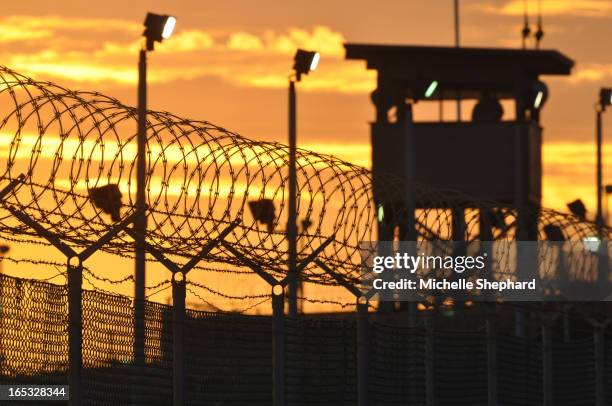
(108,199)
(306,223)
(4,249)
(605,97)
(169,27)
(553,233)
(577,208)
(305,61)
(158,28)
(264,211)
(315,61)
(591,243)
(431,89)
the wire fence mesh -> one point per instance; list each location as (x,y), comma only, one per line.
(229,356)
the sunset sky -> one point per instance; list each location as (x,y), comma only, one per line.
(228,63)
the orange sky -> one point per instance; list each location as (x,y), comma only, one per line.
(228,63)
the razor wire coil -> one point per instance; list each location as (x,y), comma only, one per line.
(201,178)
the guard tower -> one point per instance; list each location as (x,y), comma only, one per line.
(494,155)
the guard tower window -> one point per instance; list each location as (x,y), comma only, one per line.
(446,110)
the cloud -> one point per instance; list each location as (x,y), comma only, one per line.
(183,41)
(188,41)
(583,8)
(18,34)
(321,39)
(82,54)
(591,72)
(19,28)
(243,41)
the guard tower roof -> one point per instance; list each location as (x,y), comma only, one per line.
(459,68)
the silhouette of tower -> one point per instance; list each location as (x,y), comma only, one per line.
(490,156)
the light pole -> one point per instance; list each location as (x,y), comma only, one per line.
(608,193)
(603,279)
(457,44)
(605,99)
(305,61)
(157,28)
(3,250)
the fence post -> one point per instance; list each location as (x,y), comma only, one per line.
(547,364)
(567,329)
(179,292)
(600,367)
(519,323)
(363,351)
(363,338)
(429,361)
(75,331)
(178,338)
(74,265)
(491,357)
(278,345)
(278,312)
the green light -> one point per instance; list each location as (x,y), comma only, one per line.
(431,89)
(381,213)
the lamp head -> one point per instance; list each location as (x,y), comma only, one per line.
(304,62)
(553,233)
(605,97)
(158,27)
(306,224)
(578,209)
(264,211)
(108,199)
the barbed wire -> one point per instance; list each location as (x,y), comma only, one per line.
(251,307)
(60,272)
(226,296)
(34,261)
(212,306)
(128,278)
(96,287)
(168,286)
(202,177)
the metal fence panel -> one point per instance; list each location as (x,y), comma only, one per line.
(321,362)
(229,359)
(229,356)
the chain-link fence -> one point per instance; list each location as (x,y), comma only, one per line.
(228,357)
